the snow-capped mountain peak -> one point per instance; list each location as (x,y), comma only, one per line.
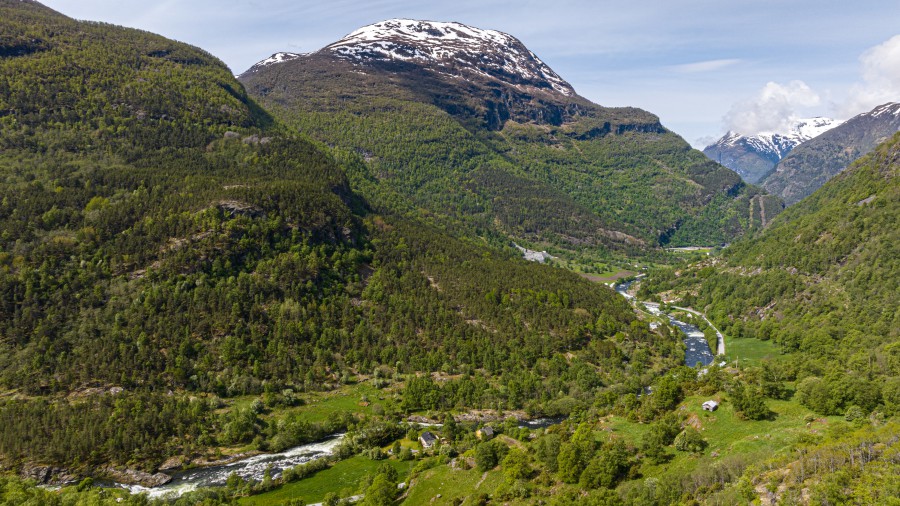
(429,31)
(752,156)
(450,48)
(806,129)
(778,144)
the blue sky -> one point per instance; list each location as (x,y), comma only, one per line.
(703,66)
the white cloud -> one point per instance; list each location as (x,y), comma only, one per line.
(880,79)
(773,109)
(704,66)
(702,142)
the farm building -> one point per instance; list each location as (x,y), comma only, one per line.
(427,439)
(484,433)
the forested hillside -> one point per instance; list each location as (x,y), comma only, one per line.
(188,279)
(822,282)
(537,166)
(821,285)
(165,244)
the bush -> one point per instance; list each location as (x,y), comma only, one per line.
(376,453)
(303,470)
(689,440)
(517,464)
(381,492)
(854,413)
(749,402)
(489,454)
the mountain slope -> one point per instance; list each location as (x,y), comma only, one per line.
(755,156)
(164,243)
(808,166)
(468,122)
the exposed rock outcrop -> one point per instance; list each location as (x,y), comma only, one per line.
(135,477)
(49,475)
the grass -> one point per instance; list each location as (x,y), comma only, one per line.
(343,479)
(749,350)
(608,276)
(323,406)
(318,407)
(598,271)
(632,432)
(727,434)
(450,484)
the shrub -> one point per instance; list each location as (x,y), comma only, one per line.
(689,440)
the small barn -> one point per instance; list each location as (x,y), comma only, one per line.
(484,433)
(710,405)
(428,440)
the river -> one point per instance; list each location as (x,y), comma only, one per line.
(249,468)
(541,423)
(697,346)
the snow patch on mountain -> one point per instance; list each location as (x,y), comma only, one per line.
(451,48)
(779,144)
(275,58)
(885,110)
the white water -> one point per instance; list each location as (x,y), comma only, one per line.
(250,468)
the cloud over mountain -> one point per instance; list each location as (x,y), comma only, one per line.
(880,78)
(773,109)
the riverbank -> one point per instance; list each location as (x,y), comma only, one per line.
(250,468)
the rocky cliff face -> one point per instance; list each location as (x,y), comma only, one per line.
(48,475)
(55,475)
(134,477)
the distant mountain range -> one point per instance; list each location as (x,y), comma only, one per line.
(755,156)
(473,127)
(812,163)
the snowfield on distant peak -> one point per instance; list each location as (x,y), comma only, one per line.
(781,143)
(891,108)
(276,58)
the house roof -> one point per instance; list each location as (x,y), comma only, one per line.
(487,430)
(428,437)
